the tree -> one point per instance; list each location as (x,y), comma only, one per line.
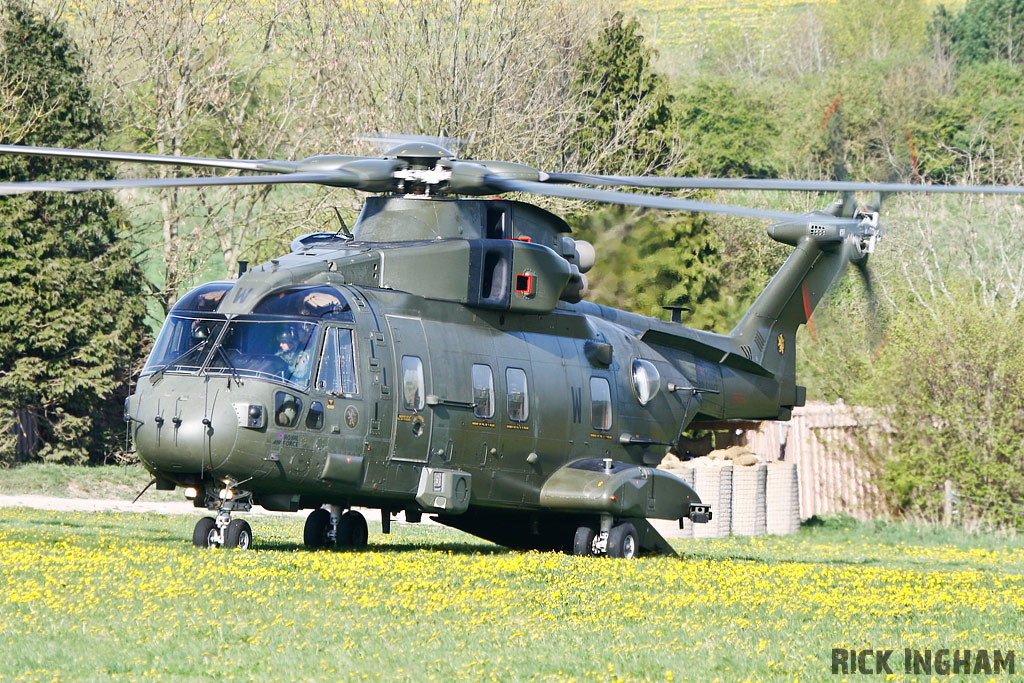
(190,78)
(627,125)
(983,31)
(731,129)
(70,304)
(295,78)
(649,259)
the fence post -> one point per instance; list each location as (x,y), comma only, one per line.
(947,504)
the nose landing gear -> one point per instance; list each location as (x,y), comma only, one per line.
(222,531)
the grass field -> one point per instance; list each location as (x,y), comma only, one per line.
(671,25)
(49,479)
(106,595)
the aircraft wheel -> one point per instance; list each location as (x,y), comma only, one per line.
(205,533)
(583,541)
(239,535)
(623,541)
(352,530)
(315,533)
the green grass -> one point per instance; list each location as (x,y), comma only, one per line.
(105,595)
(49,479)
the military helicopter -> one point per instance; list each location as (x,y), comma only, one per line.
(439,358)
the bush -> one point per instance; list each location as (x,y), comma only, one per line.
(948,382)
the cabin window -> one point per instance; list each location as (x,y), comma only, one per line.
(483,391)
(518,396)
(315,416)
(412,383)
(337,365)
(646,380)
(286,409)
(600,403)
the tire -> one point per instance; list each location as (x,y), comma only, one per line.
(352,530)
(239,535)
(583,541)
(623,541)
(202,535)
(315,533)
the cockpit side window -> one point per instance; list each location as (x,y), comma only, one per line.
(337,366)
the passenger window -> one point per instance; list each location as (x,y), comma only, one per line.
(337,366)
(483,391)
(315,416)
(600,403)
(518,397)
(412,382)
(286,409)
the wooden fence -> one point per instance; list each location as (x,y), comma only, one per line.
(823,440)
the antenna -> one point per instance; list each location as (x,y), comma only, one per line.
(344,228)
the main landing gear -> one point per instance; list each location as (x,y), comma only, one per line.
(327,526)
(615,540)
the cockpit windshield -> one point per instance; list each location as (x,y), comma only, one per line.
(183,343)
(280,350)
(267,349)
(277,342)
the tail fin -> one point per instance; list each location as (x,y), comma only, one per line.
(767,333)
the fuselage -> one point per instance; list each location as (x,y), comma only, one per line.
(388,382)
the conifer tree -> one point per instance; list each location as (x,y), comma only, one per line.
(70,293)
(646,259)
(626,127)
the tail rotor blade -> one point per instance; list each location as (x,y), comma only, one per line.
(869,288)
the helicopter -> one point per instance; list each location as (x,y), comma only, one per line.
(440,357)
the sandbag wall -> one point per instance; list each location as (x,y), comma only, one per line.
(745,501)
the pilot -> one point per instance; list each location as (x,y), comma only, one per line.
(287,345)
(200,332)
(288,350)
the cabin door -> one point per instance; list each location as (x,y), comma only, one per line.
(411,440)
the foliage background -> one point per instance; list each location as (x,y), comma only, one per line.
(909,90)
(71,301)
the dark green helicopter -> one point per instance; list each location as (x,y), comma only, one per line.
(439,358)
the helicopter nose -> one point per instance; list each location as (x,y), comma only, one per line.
(184,431)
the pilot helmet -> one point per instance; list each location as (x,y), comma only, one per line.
(287,340)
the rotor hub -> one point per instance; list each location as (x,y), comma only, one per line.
(419,154)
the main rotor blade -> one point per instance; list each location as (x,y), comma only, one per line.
(775,184)
(337,179)
(265,165)
(654,202)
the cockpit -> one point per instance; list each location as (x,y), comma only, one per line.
(277,341)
